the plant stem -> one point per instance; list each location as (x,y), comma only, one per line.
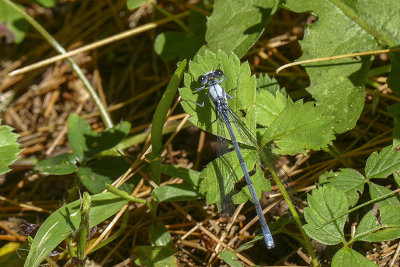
(307,242)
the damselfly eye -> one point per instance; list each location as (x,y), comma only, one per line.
(202,79)
(218,73)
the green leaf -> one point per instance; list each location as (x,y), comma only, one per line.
(155,256)
(344,27)
(377,191)
(298,127)
(85,143)
(160,115)
(229,256)
(383,164)
(349,181)
(97,173)
(266,83)
(368,225)
(65,221)
(389,228)
(326,203)
(249,244)
(178,192)
(159,236)
(242,28)
(58,165)
(159,118)
(396,176)
(9,148)
(347,257)
(170,45)
(269,106)
(188,175)
(238,78)
(133,4)
(13,24)
(220,176)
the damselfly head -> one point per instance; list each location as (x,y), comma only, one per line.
(218,73)
(203,79)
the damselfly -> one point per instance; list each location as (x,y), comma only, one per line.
(225,115)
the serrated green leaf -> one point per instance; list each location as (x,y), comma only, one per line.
(155,256)
(58,165)
(239,30)
(66,220)
(216,184)
(347,257)
(349,181)
(266,83)
(367,226)
(371,230)
(9,148)
(383,164)
(229,256)
(325,204)
(159,235)
(390,216)
(377,191)
(239,84)
(13,24)
(97,173)
(269,106)
(298,127)
(133,4)
(344,27)
(85,143)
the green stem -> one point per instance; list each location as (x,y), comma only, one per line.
(83,231)
(307,242)
(360,206)
(53,42)
(125,195)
